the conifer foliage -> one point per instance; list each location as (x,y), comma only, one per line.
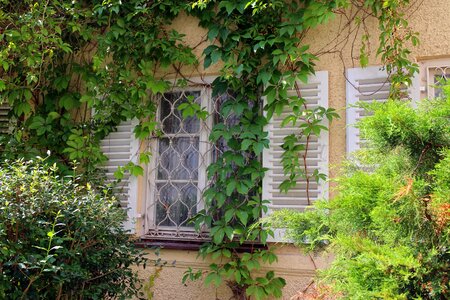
(389,224)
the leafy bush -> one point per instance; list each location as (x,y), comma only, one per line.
(389,223)
(60,239)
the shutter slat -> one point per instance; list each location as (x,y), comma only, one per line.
(4,119)
(367,85)
(316,94)
(121,147)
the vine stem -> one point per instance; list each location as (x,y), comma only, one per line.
(305,166)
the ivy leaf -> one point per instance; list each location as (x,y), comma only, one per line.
(364,60)
(119,173)
(144,158)
(23,108)
(89,99)
(257,291)
(68,101)
(157,86)
(229,215)
(259,147)
(229,232)
(121,22)
(215,56)
(246,144)
(61,83)
(228,5)
(2,85)
(242,216)
(237,276)
(37,122)
(207,61)
(53,115)
(218,236)
(136,170)
(263,77)
(27,94)
(213,32)
(213,278)
(231,186)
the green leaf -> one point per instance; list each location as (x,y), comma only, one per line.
(213,32)
(229,215)
(246,144)
(242,216)
(121,22)
(53,115)
(258,292)
(263,77)
(229,232)
(157,86)
(119,173)
(363,59)
(68,101)
(231,186)
(2,85)
(215,56)
(219,235)
(61,83)
(237,276)
(136,170)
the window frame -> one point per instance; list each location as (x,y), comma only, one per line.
(179,233)
(427,71)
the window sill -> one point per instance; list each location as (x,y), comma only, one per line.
(145,242)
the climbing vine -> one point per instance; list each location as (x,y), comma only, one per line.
(72,71)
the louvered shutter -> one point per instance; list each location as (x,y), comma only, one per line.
(4,119)
(316,94)
(367,85)
(122,147)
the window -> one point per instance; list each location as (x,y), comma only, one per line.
(432,74)
(161,204)
(176,176)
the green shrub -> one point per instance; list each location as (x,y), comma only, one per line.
(61,239)
(388,226)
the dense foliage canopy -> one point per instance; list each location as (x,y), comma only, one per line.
(60,238)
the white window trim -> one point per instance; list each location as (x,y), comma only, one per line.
(149,206)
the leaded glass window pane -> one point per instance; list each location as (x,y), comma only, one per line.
(176,192)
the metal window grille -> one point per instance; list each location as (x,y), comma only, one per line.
(176,176)
(439,75)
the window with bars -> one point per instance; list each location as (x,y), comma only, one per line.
(176,176)
(432,74)
(171,192)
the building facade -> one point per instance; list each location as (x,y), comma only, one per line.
(161,202)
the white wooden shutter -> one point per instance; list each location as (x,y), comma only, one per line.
(368,85)
(316,94)
(122,147)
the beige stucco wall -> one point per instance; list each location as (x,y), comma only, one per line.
(298,270)
(430,19)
